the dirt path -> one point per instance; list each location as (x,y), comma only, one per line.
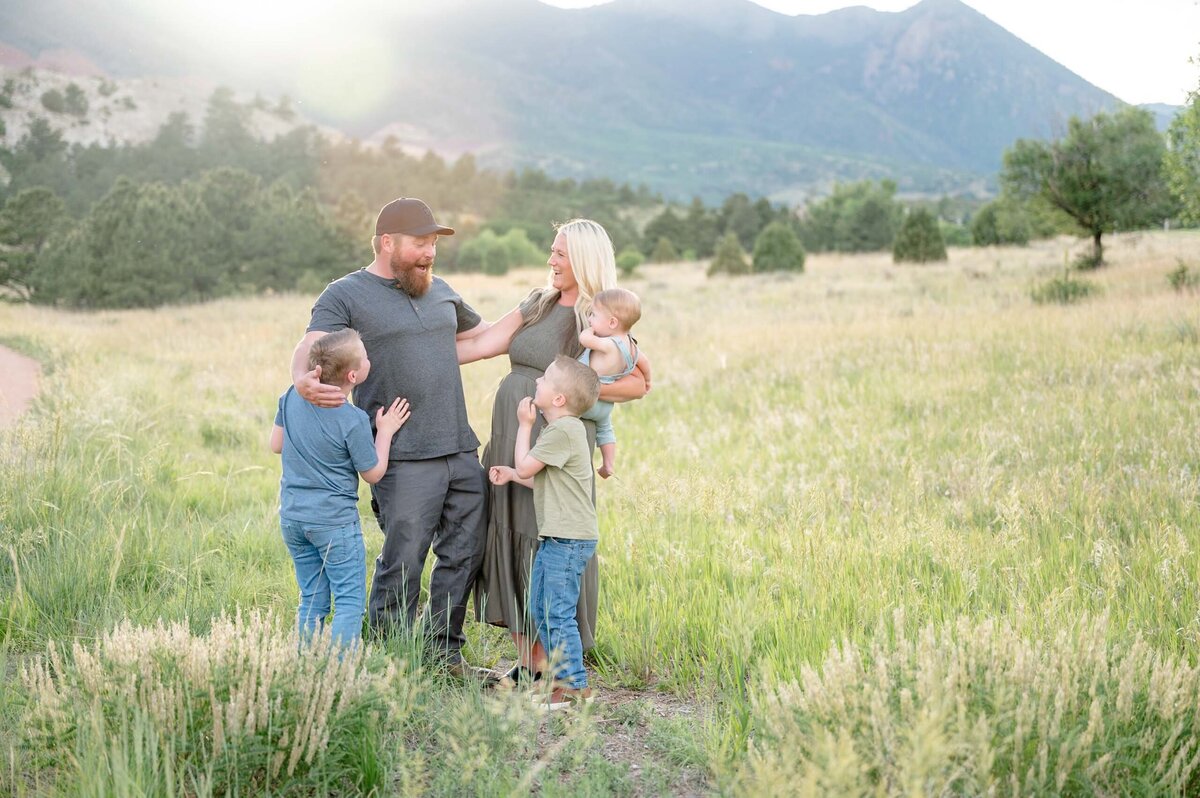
(18,384)
(631,734)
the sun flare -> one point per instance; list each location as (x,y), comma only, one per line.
(258,18)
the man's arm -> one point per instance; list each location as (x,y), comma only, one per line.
(276,440)
(488,340)
(308,383)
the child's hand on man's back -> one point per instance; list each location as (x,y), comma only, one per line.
(390,421)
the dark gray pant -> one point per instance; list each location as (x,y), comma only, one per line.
(421,503)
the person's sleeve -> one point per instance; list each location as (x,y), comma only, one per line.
(529,303)
(468,319)
(330,312)
(361,444)
(279,412)
(553,447)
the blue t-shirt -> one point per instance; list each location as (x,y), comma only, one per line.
(324,449)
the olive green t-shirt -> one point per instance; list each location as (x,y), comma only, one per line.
(562,491)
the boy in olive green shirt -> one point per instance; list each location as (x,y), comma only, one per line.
(559,469)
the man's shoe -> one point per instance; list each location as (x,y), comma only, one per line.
(561,698)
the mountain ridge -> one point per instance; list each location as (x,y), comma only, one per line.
(730,96)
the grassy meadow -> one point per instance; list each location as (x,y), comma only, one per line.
(877,529)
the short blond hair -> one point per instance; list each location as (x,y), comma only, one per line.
(337,354)
(577,382)
(622,303)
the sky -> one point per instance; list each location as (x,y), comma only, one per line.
(1138,50)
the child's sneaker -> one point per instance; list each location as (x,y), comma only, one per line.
(562,697)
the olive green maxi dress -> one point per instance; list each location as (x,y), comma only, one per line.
(502,589)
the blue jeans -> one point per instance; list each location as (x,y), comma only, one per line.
(331,561)
(553,597)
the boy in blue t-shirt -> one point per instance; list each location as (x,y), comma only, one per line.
(325,449)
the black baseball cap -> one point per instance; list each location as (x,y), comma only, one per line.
(409,216)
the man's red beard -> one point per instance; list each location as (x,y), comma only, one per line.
(409,278)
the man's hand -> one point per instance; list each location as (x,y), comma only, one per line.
(526,412)
(389,421)
(605,471)
(318,393)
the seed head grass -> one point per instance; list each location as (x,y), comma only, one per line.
(974,708)
(241,708)
(817,451)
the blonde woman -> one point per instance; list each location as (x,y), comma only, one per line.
(542,327)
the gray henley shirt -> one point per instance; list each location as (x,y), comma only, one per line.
(410,342)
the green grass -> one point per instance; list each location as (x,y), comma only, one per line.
(818,451)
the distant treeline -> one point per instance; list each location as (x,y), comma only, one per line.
(198,214)
(193,215)
(1112,171)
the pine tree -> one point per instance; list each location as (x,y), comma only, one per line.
(26,224)
(777,249)
(919,240)
(664,251)
(729,257)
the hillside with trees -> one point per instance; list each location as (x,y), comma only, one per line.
(737,98)
(216,206)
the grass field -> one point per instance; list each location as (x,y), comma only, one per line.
(877,529)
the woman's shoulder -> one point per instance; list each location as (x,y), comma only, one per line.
(530,303)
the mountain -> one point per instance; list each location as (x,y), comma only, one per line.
(1163,113)
(128,110)
(688,96)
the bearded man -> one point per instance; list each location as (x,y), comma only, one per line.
(434,490)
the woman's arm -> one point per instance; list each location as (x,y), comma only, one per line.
(633,385)
(643,365)
(494,340)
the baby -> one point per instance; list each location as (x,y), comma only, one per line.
(612,353)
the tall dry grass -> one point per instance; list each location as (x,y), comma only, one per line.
(974,708)
(817,450)
(243,708)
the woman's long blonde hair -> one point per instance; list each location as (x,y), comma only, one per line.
(595,266)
